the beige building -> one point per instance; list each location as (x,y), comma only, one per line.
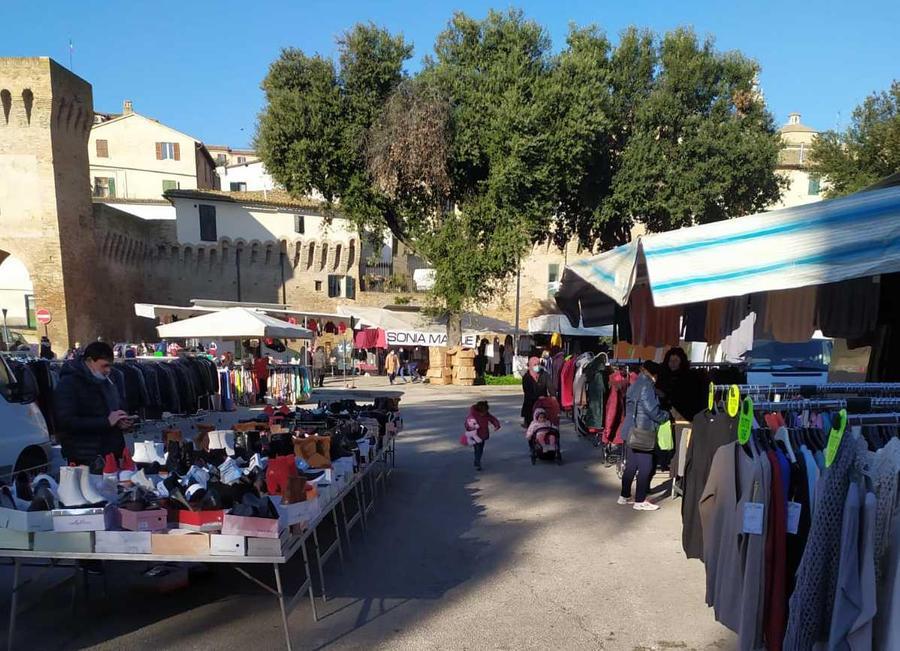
(793,164)
(224,155)
(136,157)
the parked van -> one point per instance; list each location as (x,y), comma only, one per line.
(24,439)
(774,362)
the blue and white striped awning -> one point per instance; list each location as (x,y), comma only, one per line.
(823,242)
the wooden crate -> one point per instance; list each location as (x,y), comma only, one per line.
(465,372)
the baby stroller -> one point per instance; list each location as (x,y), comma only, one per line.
(543,435)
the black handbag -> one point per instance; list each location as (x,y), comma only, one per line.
(642,440)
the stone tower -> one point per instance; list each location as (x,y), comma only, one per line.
(46,114)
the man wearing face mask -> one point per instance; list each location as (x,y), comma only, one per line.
(88,407)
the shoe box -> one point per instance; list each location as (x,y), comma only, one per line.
(297,513)
(180,542)
(149,520)
(26,520)
(238,525)
(205,521)
(228,545)
(268,546)
(122,542)
(86,519)
(15,539)
(64,541)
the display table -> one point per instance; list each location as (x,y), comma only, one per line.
(363,486)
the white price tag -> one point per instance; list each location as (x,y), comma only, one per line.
(793,516)
(753,518)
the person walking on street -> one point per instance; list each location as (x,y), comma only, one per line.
(481,414)
(535,384)
(88,407)
(319,363)
(643,416)
(392,365)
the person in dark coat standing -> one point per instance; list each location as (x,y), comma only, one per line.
(88,405)
(535,384)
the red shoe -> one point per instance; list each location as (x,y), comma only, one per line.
(127,463)
(111,466)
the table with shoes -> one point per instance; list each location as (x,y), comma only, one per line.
(257,493)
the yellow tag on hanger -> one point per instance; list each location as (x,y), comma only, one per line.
(712,396)
(745,422)
(834,437)
(734,400)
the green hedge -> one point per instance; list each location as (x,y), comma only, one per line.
(502,380)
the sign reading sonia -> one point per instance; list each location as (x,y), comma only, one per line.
(416,338)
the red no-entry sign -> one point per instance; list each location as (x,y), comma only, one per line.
(43,316)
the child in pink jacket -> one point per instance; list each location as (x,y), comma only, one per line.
(481,414)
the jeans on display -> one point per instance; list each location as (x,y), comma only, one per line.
(479,451)
(641,464)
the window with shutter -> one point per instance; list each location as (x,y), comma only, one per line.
(208,223)
(334,286)
(102,149)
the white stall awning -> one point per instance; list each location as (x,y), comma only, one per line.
(233,323)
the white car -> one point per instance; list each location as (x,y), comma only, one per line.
(24,439)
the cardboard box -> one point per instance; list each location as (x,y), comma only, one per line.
(25,520)
(268,546)
(14,539)
(122,542)
(150,520)
(180,542)
(227,545)
(239,525)
(71,541)
(87,519)
(205,521)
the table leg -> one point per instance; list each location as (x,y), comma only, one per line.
(280,595)
(13,605)
(312,597)
(319,561)
(337,534)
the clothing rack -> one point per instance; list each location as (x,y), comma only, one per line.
(852,405)
(860,388)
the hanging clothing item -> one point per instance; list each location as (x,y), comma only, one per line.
(791,314)
(709,432)
(593,373)
(567,383)
(694,322)
(734,559)
(715,315)
(848,309)
(811,605)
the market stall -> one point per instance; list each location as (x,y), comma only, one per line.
(830,266)
(258,493)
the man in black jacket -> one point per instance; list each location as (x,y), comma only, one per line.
(88,407)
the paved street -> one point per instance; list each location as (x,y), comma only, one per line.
(515,557)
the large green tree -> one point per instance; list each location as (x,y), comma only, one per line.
(868,150)
(497,143)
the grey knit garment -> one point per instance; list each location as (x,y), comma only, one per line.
(884,468)
(813,598)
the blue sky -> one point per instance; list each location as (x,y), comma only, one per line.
(197,65)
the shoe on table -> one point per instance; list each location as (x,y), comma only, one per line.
(645,506)
(624,500)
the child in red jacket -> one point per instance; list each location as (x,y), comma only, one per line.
(480,412)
